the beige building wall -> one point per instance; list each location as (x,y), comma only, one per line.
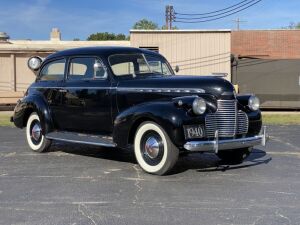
(15,76)
(196,52)
(5,72)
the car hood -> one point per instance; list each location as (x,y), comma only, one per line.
(188,84)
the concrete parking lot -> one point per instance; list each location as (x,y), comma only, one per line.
(74,184)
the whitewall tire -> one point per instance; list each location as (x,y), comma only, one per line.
(35,139)
(154,151)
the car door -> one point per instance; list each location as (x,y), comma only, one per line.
(49,83)
(86,97)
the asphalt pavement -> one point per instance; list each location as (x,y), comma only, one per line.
(76,184)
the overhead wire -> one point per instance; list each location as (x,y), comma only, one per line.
(200,14)
(223,13)
(220,17)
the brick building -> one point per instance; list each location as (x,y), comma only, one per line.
(266,44)
(268,64)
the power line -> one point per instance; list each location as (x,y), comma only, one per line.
(200,58)
(228,11)
(201,21)
(204,61)
(200,14)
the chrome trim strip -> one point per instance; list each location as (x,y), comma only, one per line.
(212,146)
(164,90)
(81,142)
(57,87)
(131,89)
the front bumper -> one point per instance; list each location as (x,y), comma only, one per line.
(217,145)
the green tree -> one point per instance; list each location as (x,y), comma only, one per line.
(105,36)
(292,26)
(145,24)
(164,27)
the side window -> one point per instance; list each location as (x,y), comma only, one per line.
(123,68)
(54,70)
(86,68)
(158,64)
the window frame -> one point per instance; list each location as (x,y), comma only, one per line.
(144,56)
(47,63)
(85,79)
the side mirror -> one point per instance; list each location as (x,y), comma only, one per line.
(34,63)
(176,68)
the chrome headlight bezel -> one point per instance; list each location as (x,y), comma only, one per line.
(199,106)
(253,103)
(34,63)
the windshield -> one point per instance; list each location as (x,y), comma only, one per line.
(138,64)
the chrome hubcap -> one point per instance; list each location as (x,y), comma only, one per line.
(36,132)
(152,147)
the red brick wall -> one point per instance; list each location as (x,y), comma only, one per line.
(277,44)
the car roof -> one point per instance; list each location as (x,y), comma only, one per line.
(103,51)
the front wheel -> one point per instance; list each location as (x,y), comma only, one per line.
(154,151)
(36,140)
(235,156)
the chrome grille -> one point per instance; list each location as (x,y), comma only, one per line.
(243,123)
(226,120)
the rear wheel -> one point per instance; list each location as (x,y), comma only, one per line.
(154,151)
(35,139)
(234,156)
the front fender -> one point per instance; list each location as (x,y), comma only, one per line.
(165,113)
(255,118)
(33,103)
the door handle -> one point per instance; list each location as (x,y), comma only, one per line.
(63,91)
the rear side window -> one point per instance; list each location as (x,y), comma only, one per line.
(86,68)
(54,70)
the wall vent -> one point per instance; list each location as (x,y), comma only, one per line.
(155,49)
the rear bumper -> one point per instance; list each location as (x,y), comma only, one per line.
(218,145)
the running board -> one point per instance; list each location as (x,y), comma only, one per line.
(99,140)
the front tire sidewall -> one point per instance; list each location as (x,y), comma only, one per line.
(43,144)
(170,154)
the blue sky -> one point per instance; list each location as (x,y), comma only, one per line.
(33,19)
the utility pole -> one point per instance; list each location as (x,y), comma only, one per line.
(238,22)
(169,16)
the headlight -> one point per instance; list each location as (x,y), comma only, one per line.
(199,106)
(253,103)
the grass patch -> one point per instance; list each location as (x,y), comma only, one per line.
(281,119)
(5,120)
(271,119)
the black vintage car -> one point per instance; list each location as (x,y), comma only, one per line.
(127,97)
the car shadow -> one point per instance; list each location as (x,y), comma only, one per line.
(114,154)
(208,162)
(205,162)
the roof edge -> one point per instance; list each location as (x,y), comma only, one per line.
(182,31)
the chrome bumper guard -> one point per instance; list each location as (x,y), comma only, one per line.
(217,145)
